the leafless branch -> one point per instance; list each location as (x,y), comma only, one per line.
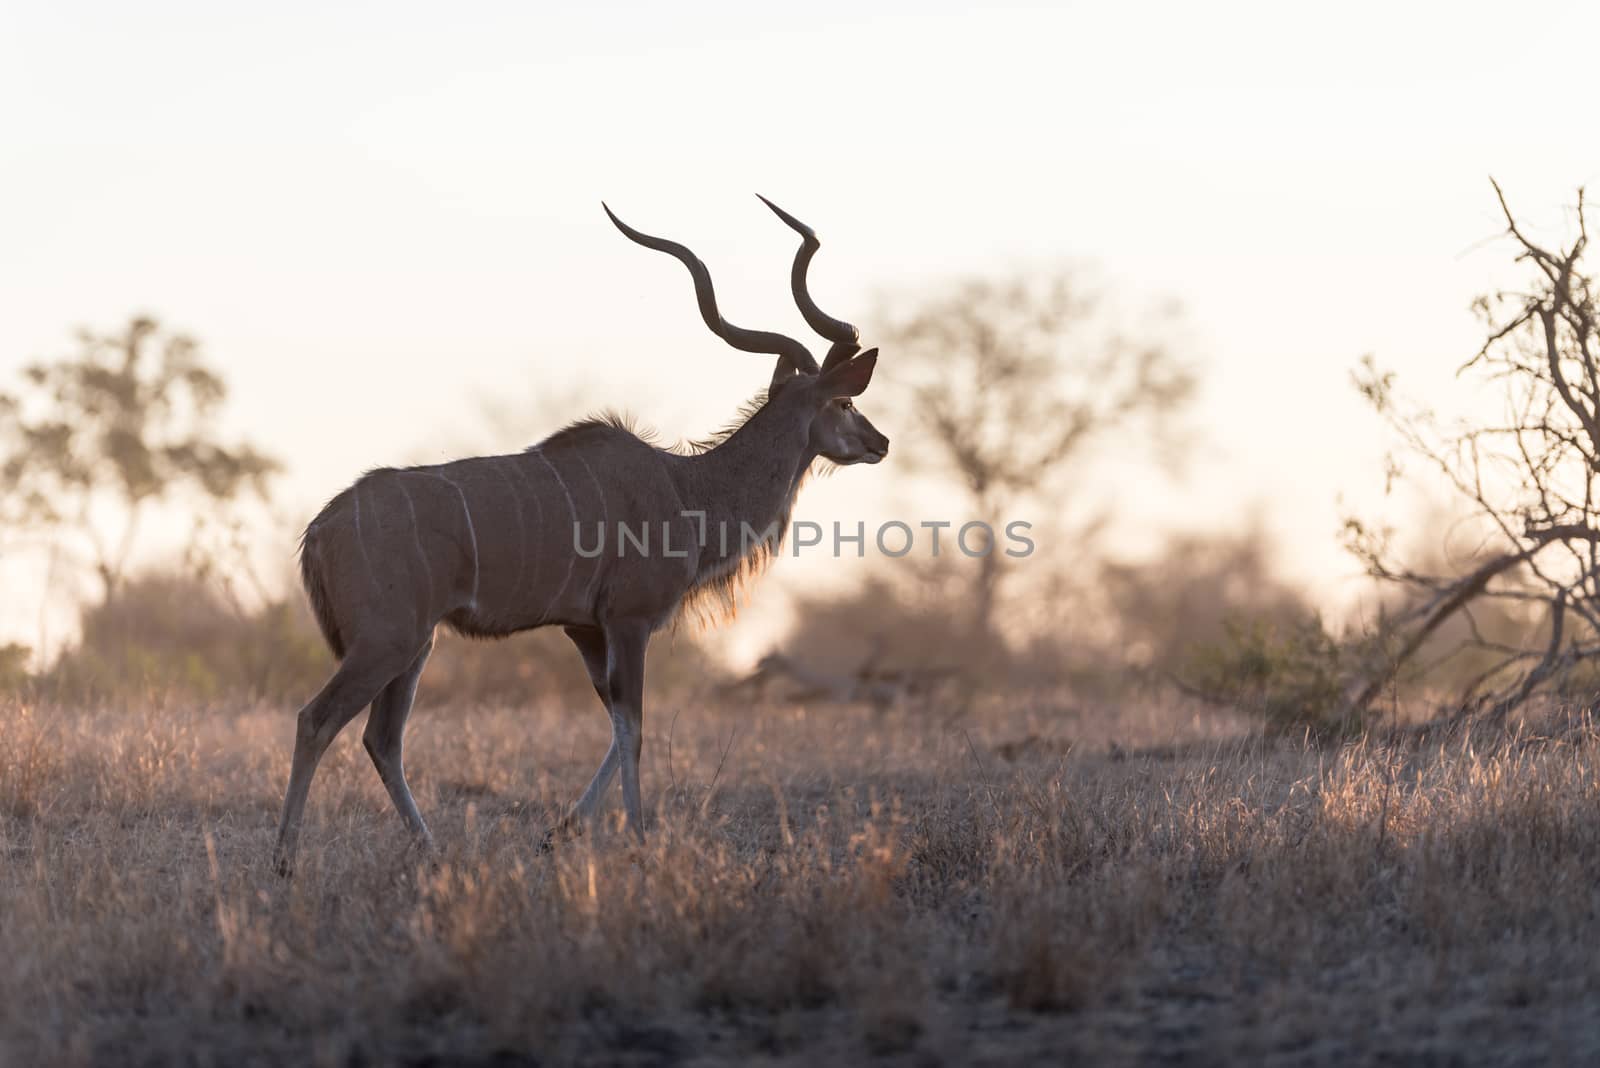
(1529,479)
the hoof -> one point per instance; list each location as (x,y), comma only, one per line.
(561,832)
(422,854)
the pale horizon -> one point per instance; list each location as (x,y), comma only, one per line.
(375,223)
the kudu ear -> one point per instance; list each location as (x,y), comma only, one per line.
(838,353)
(849,379)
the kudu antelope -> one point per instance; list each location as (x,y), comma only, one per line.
(491,545)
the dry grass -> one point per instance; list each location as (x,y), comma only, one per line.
(1005,886)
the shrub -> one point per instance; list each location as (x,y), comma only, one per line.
(176,633)
(1290,673)
(169,632)
(13,666)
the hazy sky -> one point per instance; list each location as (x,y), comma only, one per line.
(376,215)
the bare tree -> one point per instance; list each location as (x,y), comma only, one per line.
(91,441)
(1012,381)
(1528,478)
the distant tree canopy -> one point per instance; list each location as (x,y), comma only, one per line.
(1011,381)
(88,442)
(1159,611)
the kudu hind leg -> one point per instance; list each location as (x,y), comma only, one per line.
(354,685)
(384,742)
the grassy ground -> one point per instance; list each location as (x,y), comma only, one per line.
(1035,881)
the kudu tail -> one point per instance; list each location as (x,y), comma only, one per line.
(311,576)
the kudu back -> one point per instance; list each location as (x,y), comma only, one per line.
(493,545)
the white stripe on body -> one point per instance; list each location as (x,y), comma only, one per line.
(572,507)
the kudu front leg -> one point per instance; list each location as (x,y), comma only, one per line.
(626,644)
(591,645)
(614,659)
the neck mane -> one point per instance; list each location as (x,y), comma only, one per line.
(744,475)
(745,478)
